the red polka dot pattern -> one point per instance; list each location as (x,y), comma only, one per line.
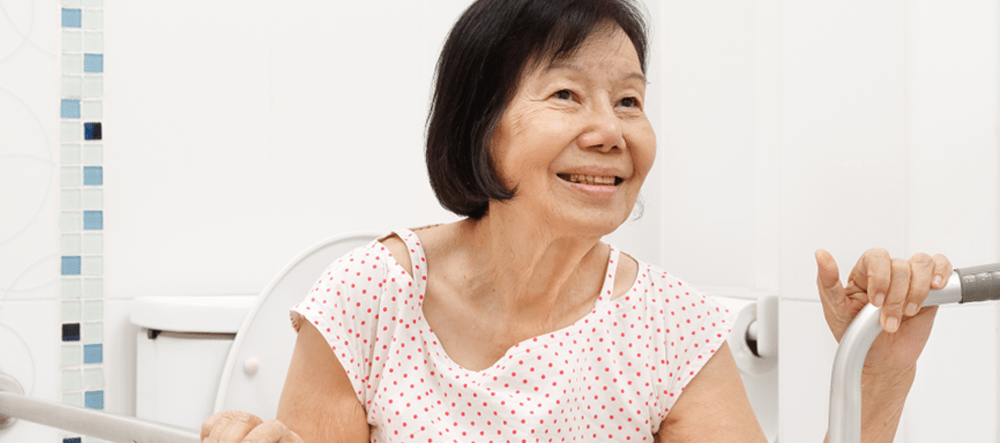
(612,375)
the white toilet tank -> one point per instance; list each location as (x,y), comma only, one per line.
(180,353)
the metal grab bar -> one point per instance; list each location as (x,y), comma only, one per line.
(15,405)
(980,283)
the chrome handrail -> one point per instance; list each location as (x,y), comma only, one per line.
(15,405)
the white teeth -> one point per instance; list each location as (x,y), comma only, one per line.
(592,180)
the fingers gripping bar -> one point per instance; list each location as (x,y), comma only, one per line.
(972,284)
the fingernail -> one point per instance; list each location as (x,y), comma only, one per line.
(938,280)
(879,298)
(911,309)
(891,324)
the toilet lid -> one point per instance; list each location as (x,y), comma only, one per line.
(192,313)
(258,360)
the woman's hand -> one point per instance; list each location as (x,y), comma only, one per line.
(899,287)
(238,427)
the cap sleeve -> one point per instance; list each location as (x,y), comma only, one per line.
(693,327)
(343,305)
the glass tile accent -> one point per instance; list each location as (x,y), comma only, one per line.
(93,19)
(93,63)
(72,63)
(92,131)
(93,175)
(70,311)
(93,243)
(72,380)
(70,288)
(93,86)
(93,42)
(71,332)
(71,355)
(70,221)
(70,131)
(93,265)
(93,354)
(72,440)
(69,176)
(72,41)
(93,378)
(69,154)
(72,85)
(92,199)
(69,108)
(94,399)
(93,3)
(92,109)
(71,3)
(71,18)
(93,154)
(93,288)
(70,199)
(93,333)
(92,311)
(70,265)
(69,244)
(73,399)
(93,220)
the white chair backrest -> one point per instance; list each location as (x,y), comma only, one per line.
(266,335)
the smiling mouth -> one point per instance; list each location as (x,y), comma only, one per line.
(593,180)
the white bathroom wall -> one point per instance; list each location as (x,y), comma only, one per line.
(29,204)
(867,124)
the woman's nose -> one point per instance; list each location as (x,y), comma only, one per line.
(603,131)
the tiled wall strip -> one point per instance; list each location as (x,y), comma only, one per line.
(81,221)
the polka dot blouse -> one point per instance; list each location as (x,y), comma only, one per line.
(612,375)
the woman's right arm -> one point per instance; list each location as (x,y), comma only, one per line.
(318,403)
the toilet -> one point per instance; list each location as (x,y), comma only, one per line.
(199,354)
(232,353)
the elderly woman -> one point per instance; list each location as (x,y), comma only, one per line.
(517,323)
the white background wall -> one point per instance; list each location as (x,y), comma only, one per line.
(239,133)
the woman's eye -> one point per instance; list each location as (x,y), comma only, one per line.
(629,102)
(564,94)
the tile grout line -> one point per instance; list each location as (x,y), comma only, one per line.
(81,220)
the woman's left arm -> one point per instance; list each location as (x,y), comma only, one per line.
(899,287)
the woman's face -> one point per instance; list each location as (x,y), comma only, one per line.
(575,140)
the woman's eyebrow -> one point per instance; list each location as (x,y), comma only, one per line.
(557,64)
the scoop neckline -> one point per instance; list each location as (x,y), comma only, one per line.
(434,341)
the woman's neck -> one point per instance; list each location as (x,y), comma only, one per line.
(531,269)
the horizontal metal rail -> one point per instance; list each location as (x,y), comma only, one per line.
(15,405)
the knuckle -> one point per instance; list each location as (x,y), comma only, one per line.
(921,258)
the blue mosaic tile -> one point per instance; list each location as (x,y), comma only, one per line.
(93,354)
(93,220)
(71,265)
(93,62)
(93,175)
(72,440)
(93,399)
(71,332)
(72,18)
(69,108)
(92,131)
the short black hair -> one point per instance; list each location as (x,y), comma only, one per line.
(479,71)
